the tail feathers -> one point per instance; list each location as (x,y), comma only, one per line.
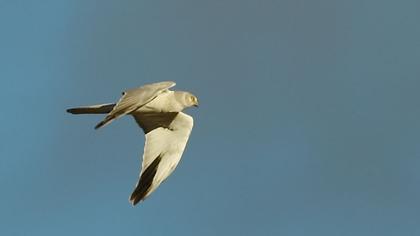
(96,109)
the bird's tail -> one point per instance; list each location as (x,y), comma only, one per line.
(96,109)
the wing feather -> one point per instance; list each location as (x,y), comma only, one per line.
(149,121)
(167,144)
(133,99)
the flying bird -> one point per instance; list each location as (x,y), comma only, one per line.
(158,111)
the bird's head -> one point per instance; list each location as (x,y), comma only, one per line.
(192,100)
(187,99)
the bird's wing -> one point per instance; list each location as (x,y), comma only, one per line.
(162,151)
(133,99)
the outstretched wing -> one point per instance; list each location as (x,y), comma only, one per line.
(162,151)
(133,99)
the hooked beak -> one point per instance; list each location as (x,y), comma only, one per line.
(196,104)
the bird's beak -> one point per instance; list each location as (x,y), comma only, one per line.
(196,104)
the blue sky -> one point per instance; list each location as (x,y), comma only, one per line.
(309,117)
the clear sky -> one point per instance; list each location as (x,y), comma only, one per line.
(309,118)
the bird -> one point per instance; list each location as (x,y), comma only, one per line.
(158,111)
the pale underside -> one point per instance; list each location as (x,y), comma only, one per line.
(166,142)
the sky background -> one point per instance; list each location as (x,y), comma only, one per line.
(309,118)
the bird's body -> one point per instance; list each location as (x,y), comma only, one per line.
(167,101)
(158,111)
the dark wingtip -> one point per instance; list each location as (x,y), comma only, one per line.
(134,200)
(145,182)
(70,110)
(107,120)
(135,197)
(99,125)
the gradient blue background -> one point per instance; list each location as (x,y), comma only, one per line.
(309,121)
